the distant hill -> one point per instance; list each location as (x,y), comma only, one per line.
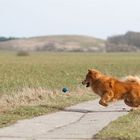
(129,42)
(55,43)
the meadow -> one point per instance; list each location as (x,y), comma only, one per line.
(32,85)
(57,70)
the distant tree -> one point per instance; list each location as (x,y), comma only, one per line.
(130,38)
(6,38)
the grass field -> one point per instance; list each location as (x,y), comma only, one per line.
(31,85)
(56,70)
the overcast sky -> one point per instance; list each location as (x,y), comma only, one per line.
(98,18)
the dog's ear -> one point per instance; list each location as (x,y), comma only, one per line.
(97,75)
(89,71)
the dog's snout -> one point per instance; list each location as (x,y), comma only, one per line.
(83,82)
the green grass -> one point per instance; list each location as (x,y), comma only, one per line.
(53,71)
(125,128)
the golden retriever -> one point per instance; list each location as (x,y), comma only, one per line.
(111,89)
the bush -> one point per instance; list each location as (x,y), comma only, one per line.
(23,53)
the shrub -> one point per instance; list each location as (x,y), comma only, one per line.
(23,53)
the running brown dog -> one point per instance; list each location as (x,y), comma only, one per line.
(111,89)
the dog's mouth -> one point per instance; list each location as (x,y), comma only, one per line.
(88,84)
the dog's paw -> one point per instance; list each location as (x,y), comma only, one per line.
(103,103)
(134,109)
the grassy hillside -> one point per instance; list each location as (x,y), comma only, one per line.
(55,43)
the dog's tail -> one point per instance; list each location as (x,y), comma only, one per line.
(135,79)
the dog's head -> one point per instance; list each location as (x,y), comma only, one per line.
(91,76)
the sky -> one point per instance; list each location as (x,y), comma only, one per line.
(98,18)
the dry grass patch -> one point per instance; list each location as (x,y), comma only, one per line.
(34,96)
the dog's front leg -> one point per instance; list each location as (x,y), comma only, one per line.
(103,103)
(107,97)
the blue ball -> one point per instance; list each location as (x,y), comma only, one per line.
(65,89)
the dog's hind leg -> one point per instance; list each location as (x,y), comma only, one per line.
(131,102)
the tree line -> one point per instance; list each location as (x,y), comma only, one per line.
(130,38)
(6,38)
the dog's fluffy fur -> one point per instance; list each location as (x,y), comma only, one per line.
(111,89)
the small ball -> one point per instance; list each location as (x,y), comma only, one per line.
(65,89)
